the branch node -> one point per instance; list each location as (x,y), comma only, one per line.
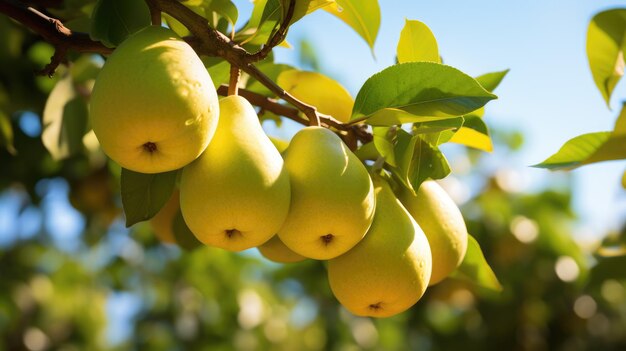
(57,58)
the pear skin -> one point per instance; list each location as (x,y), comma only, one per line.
(275,250)
(443,224)
(236,194)
(389,270)
(162,222)
(332,196)
(154,107)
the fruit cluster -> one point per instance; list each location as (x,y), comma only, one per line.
(154,109)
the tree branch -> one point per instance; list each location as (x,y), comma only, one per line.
(278,36)
(204,40)
(272,105)
(53,31)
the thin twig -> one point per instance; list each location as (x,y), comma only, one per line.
(278,36)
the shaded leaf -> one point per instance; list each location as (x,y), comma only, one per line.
(367,152)
(143,195)
(361,15)
(384,138)
(325,93)
(437,125)
(65,120)
(605,41)
(183,235)
(417,43)
(417,160)
(475,270)
(114,20)
(418,92)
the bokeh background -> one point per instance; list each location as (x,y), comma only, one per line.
(73,278)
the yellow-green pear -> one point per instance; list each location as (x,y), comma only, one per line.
(332,196)
(275,250)
(236,194)
(154,107)
(443,224)
(388,271)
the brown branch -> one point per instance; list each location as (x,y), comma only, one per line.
(204,40)
(278,36)
(53,31)
(272,105)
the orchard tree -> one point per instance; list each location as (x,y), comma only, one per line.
(126,96)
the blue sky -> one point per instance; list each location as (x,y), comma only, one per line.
(549,93)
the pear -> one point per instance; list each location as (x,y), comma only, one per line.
(154,107)
(275,250)
(236,194)
(162,222)
(388,271)
(442,221)
(332,196)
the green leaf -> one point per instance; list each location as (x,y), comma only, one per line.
(183,235)
(6,134)
(367,152)
(474,133)
(65,119)
(224,8)
(418,92)
(490,81)
(361,15)
(417,160)
(384,140)
(143,195)
(267,14)
(219,70)
(575,151)
(606,37)
(114,20)
(417,43)
(475,269)
(592,147)
(437,125)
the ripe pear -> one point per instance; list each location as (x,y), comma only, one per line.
(162,222)
(169,227)
(442,221)
(275,250)
(154,107)
(388,271)
(236,194)
(332,196)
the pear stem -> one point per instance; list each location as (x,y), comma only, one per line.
(233,85)
(155,13)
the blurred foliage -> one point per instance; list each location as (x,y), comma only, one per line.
(73,278)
